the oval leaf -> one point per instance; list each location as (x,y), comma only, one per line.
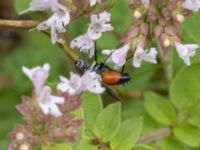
(127,135)
(172,144)
(92,106)
(108,122)
(184,90)
(160,108)
(188,134)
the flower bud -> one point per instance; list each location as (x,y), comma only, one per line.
(180,18)
(137,14)
(20,136)
(24,147)
(144,28)
(158,30)
(170,30)
(166,43)
(165,40)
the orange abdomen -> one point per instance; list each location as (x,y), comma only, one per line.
(111,77)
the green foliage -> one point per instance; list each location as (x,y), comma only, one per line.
(127,134)
(184,90)
(92,106)
(188,134)
(85,144)
(160,108)
(136,109)
(143,147)
(108,122)
(21,6)
(172,144)
(57,147)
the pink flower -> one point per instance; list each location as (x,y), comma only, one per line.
(38,76)
(84,43)
(148,56)
(89,81)
(117,56)
(99,24)
(93,2)
(186,51)
(192,5)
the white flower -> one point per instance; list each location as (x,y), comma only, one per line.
(48,102)
(40,5)
(186,51)
(38,76)
(93,2)
(117,56)
(84,43)
(72,86)
(148,56)
(192,5)
(90,81)
(99,24)
(56,23)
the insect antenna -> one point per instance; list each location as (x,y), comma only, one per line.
(95,51)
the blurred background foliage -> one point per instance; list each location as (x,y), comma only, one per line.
(24,48)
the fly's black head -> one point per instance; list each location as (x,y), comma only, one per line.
(82,65)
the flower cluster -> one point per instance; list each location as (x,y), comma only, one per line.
(162,25)
(99,24)
(59,19)
(60,15)
(150,24)
(49,115)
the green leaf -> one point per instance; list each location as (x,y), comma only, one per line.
(184,90)
(133,109)
(57,147)
(108,122)
(188,134)
(127,134)
(160,108)
(85,144)
(172,144)
(194,116)
(92,106)
(143,147)
(21,5)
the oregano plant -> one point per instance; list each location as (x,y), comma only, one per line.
(129,81)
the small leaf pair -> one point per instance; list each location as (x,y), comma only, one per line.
(106,127)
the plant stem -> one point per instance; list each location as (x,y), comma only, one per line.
(30,24)
(155,135)
(166,62)
(18,24)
